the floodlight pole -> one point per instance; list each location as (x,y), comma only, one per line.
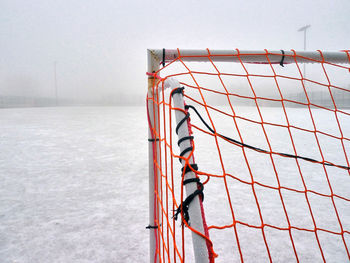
(305,39)
(304,28)
(55,77)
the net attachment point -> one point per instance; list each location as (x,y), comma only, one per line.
(163,60)
(151,227)
(282,60)
(153,140)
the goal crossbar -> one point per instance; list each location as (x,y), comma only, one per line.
(251,56)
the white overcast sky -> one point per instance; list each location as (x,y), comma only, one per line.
(100,45)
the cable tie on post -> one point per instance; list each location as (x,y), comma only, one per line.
(183,208)
(191,180)
(181,122)
(200,186)
(194,166)
(188,149)
(184,139)
(177,90)
(163,62)
(153,140)
(151,227)
(281,63)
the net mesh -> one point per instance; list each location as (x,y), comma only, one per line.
(274,161)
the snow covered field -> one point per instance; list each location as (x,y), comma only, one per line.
(73,185)
(74,188)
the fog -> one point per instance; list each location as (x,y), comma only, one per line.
(99,46)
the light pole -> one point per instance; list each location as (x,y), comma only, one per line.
(304,28)
(55,77)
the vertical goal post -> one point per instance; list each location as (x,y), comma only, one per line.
(165,246)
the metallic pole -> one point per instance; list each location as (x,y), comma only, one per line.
(55,76)
(153,146)
(304,28)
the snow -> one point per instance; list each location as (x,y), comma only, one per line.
(74,187)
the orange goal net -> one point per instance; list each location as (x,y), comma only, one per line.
(249,156)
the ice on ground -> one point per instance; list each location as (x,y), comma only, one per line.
(74,185)
(74,188)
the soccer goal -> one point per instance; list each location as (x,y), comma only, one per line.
(249,156)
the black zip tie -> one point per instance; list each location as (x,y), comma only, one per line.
(151,227)
(188,149)
(188,168)
(177,90)
(281,63)
(181,122)
(184,139)
(163,62)
(196,180)
(153,140)
(183,208)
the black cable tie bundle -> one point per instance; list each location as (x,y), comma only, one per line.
(184,139)
(163,62)
(187,115)
(194,166)
(281,63)
(188,149)
(153,140)
(183,208)
(181,122)
(177,90)
(151,227)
